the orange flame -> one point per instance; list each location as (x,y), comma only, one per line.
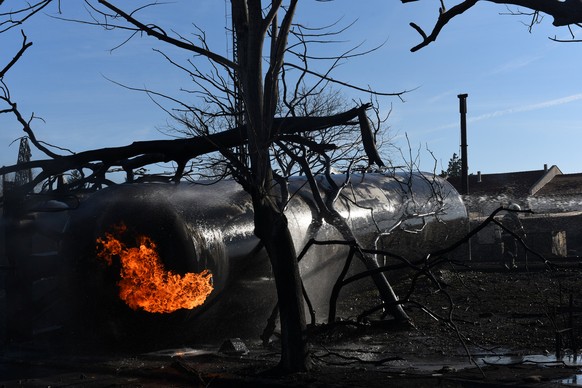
(146,284)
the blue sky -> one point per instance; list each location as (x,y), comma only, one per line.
(525,92)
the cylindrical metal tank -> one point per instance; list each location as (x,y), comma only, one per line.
(210,226)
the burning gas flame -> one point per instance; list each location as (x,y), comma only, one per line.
(145,284)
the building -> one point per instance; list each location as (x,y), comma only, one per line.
(554,227)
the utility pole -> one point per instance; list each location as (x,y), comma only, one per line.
(464,163)
(238,102)
(22,177)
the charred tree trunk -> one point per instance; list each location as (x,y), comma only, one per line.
(259,100)
(271,227)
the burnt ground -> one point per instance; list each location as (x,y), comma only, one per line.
(498,318)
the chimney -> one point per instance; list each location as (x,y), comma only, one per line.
(545,167)
(479,176)
(464,162)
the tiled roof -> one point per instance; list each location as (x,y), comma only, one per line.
(516,184)
(565,184)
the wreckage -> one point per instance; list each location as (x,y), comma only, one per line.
(130,251)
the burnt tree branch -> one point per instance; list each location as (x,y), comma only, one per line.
(346,84)
(444,17)
(17,16)
(565,13)
(160,35)
(25,45)
(142,153)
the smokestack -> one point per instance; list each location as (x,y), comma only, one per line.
(464,164)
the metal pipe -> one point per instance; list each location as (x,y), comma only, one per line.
(464,157)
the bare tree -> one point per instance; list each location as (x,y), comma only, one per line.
(258,34)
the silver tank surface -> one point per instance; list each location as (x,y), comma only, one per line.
(210,226)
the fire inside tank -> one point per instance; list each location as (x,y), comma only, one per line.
(144,282)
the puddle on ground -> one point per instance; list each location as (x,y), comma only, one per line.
(543,360)
(178,352)
(569,360)
(574,381)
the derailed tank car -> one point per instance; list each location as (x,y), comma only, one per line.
(198,227)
